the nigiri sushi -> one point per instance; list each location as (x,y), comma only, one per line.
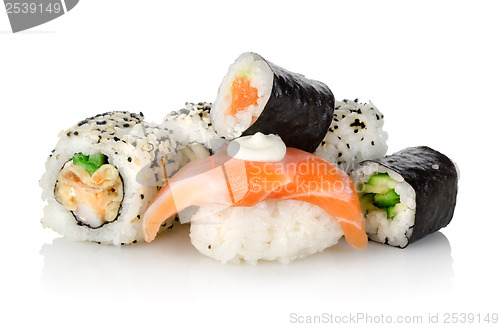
(230,182)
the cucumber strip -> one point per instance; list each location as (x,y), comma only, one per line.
(386,200)
(90,163)
(394,211)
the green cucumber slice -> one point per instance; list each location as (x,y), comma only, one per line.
(394,211)
(90,163)
(386,200)
(379,183)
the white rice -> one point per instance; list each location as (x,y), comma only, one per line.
(398,230)
(191,126)
(282,230)
(355,135)
(261,77)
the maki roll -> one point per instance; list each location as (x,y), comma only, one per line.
(355,134)
(259,96)
(102,175)
(407,195)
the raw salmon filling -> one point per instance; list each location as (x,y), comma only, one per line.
(93,199)
(243,95)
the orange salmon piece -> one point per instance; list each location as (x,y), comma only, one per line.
(221,179)
(243,95)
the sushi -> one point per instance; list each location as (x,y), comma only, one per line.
(259,96)
(102,174)
(234,185)
(407,195)
(191,128)
(355,134)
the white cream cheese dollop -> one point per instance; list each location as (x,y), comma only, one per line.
(257,147)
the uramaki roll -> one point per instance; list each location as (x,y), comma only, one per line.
(102,175)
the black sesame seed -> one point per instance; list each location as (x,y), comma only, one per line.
(209,246)
(126,125)
(116,139)
(373,143)
(68,133)
(75,133)
(129,159)
(340,154)
(142,196)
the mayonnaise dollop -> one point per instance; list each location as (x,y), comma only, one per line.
(257,147)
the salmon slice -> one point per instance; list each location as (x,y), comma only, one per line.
(243,95)
(220,179)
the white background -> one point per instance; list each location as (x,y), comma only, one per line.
(432,67)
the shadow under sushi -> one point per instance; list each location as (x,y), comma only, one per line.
(171,268)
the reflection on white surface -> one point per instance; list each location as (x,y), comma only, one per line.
(170,267)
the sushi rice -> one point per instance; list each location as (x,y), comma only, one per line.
(355,134)
(281,230)
(191,126)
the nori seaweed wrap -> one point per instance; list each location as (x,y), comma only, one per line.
(259,96)
(407,195)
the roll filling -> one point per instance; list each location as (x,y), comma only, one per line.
(92,192)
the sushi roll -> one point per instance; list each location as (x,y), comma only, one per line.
(355,134)
(192,129)
(102,175)
(260,208)
(407,195)
(259,96)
